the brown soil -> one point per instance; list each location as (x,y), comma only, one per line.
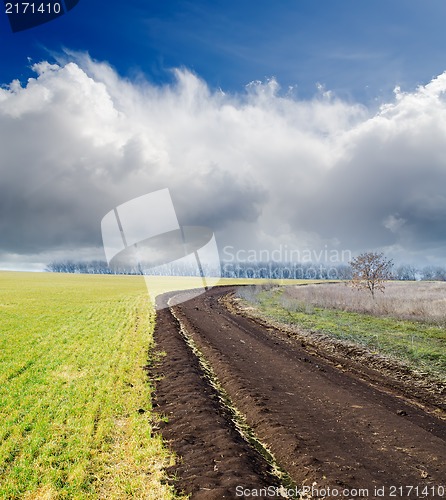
(330,421)
(213,457)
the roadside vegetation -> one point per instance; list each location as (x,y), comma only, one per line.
(407,322)
(75,399)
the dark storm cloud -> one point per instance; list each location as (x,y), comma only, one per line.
(261,169)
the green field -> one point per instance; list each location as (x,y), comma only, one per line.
(75,400)
(72,352)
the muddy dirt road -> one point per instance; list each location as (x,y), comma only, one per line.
(329,422)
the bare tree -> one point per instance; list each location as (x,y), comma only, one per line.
(370,271)
(406,272)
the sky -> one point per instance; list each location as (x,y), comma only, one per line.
(295,124)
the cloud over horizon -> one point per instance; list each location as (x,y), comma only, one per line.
(262,168)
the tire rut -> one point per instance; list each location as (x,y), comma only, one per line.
(213,457)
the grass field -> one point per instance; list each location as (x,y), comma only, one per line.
(72,352)
(75,400)
(421,301)
(381,326)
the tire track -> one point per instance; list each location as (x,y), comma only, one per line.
(214,458)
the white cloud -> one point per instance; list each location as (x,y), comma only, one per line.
(261,168)
(393,223)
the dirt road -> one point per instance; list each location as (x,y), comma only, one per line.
(331,425)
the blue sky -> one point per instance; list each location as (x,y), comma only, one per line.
(300,123)
(360,49)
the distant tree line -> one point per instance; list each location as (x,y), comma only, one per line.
(101,267)
(79,267)
(285,270)
(427,273)
(268,270)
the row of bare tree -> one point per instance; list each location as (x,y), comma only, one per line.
(268,270)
